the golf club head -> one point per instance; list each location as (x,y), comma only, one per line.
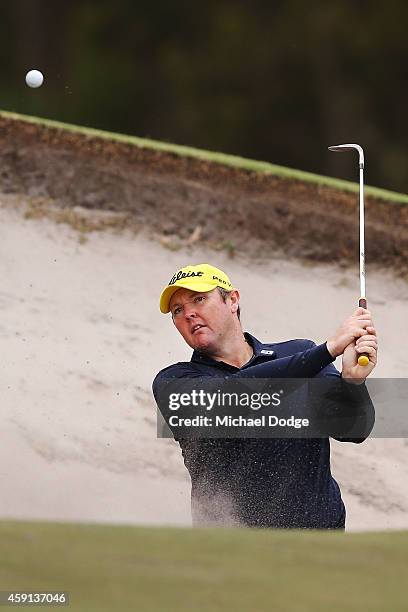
(349,147)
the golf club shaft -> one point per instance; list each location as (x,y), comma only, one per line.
(362,243)
(362,359)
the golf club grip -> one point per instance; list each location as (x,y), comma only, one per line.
(363,359)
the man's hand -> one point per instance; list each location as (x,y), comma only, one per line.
(353,372)
(351,330)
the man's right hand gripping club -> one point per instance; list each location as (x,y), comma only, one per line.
(355,336)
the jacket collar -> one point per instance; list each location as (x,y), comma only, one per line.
(260,350)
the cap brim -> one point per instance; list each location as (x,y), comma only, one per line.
(169,291)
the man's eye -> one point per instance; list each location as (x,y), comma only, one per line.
(199,298)
(176,311)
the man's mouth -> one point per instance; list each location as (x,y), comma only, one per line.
(196,327)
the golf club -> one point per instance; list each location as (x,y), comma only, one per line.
(363,358)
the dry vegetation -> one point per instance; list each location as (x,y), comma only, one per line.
(94,183)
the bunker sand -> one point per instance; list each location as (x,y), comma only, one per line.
(83,338)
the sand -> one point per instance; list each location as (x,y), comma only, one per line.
(83,338)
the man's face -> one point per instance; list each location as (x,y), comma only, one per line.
(203,319)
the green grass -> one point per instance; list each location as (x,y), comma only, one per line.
(121,568)
(218,158)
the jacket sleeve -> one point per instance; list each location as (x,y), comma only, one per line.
(304,364)
(349,406)
(356,408)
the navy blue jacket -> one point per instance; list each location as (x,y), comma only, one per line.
(266,482)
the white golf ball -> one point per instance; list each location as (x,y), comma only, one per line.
(34,78)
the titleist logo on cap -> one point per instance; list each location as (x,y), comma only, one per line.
(182,274)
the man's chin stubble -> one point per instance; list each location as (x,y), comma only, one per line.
(203,348)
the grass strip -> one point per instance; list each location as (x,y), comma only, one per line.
(123,568)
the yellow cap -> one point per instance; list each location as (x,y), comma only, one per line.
(200,278)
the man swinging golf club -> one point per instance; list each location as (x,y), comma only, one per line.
(267,482)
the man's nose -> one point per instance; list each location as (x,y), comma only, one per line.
(189,310)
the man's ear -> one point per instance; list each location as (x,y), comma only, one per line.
(234,297)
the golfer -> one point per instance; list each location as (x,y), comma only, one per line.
(261,482)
